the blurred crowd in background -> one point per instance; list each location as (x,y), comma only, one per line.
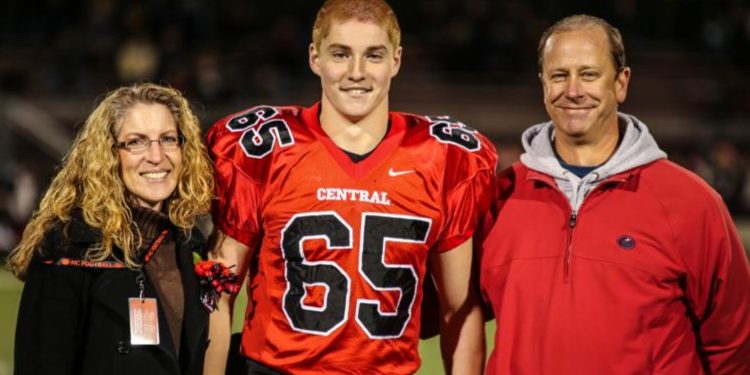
(223,49)
(691,63)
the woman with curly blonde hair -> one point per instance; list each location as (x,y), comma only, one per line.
(107,257)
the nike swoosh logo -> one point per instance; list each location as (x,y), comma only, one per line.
(393,173)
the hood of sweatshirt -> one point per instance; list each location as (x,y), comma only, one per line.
(637,148)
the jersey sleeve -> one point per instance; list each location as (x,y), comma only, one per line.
(470,192)
(235,210)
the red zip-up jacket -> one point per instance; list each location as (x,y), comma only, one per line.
(649,277)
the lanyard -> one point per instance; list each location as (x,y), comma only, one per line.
(155,246)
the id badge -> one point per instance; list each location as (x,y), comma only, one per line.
(144,321)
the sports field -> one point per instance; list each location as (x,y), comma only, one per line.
(10,294)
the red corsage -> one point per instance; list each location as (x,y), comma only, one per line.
(215,278)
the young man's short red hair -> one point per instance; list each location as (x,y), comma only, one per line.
(376,11)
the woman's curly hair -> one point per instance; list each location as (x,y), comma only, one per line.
(89,180)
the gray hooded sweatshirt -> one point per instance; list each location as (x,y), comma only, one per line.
(637,148)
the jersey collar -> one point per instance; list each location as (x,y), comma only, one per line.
(381,152)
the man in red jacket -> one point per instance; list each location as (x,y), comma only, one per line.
(607,258)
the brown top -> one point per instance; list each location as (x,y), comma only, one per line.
(162,270)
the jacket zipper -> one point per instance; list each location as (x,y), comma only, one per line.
(569,250)
(572,221)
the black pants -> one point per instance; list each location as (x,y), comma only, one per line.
(255,368)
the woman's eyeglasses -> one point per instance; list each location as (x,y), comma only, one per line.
(141,144)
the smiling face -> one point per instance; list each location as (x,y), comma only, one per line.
(355,62)
(152,175)
(582,89)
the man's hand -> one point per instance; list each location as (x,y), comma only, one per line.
(462,323)
(230,252)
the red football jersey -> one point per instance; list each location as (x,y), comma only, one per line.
(343,246)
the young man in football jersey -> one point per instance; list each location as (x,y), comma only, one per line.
(336,210)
